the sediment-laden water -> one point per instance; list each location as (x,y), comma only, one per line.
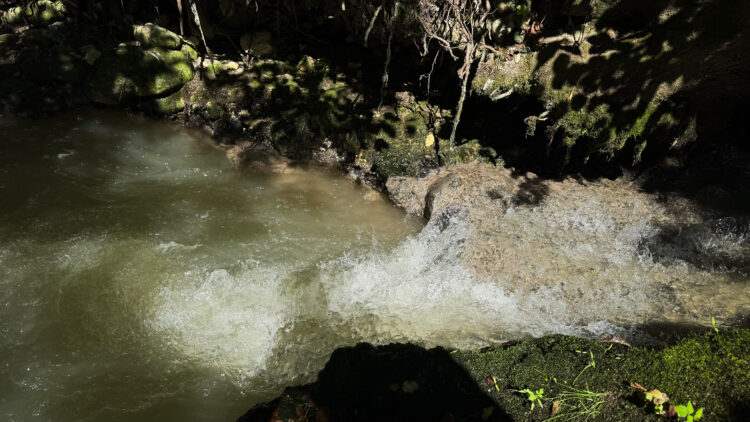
(142,278)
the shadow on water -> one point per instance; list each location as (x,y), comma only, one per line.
(397,382)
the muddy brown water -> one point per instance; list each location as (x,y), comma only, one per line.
(143,278)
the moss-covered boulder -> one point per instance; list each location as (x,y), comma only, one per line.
(405,139)
(8,39)
(214,111)
(466,152)
(168,105)
(45,12)
(151,35)
(12,17)
(130,71)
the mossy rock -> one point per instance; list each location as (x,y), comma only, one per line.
(711,370)
(214,111)
(151,35)
(498,77)
(189,51)
(90,54)
(466,153)
(7,40)
(13,16)
(44,12)
(168,105)
(130,71)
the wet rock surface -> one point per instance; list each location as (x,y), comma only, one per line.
(590,242)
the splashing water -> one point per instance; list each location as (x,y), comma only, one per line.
(143,278)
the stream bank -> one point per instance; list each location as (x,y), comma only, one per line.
(579,379)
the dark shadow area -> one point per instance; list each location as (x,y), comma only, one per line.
(397,382)
(649,78)
(720,244)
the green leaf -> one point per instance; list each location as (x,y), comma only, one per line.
(690,407)
(649,397)
(699,414)
(681,410)
(689,418)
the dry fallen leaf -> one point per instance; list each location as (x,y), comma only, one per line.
(671,412)
(555,406)
(615,340)
(638,386)
(430,140)
(658,397)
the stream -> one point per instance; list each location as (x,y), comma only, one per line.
(143,278)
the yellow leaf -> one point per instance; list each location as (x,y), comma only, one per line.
(658,397)
(429,140)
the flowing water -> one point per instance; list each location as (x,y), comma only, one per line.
(142,278)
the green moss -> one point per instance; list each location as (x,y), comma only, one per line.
(584,123)
(466,152)
(8,39)
(151,35)
(168,105)
(497,76)
(188,51)
(130,71)
(13,16)
(44,12)
(214,111)
(711,370)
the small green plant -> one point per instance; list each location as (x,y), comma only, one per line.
(687,412)
(535,397)
(713,323)
(574,403)
(591,364)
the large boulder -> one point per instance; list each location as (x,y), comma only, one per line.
(150,35)
(13,16)
(130,71)
(45,12)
